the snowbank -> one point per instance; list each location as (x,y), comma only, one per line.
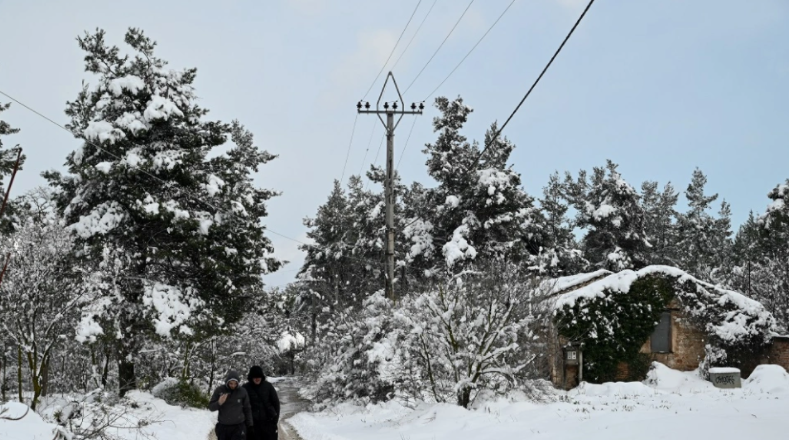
(29,426)
(770,379)
(167,421)
(669,404)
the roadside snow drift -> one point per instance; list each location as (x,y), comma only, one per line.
(168,422)
(668,405)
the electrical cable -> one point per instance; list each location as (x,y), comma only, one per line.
(414,36)
(182,190)
(439,47)
(348,154)
(498,132)
(392,52)
(405,146)
(469,52)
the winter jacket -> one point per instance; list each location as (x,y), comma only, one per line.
(236,408)
(264,401)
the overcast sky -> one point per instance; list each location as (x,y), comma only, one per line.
(658,86)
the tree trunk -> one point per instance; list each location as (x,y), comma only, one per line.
(5,373)
(126,377)
(106,371)
(19,372)
(45,378)
(35,378)
(314,326)
(464,396)
(185,368)
(213,366)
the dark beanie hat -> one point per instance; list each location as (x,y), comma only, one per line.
(254,372)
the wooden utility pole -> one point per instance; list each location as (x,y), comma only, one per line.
(390,125)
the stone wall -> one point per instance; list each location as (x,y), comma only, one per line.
(687,343)
(778,353)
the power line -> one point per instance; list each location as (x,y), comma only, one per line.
(413,36)
(472,50)
(392,52)
(498,132)
(439,47)
(348,154)
(370,142)
(180,189)
(375,161)
(323,248)
(406,145)
(109,152)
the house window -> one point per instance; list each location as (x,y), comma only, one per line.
(661,337)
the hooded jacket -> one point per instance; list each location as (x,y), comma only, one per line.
(236,409)
(263,398)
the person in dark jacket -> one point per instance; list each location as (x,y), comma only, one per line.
(265,406)
(235,412)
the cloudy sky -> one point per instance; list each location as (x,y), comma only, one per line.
(658,86)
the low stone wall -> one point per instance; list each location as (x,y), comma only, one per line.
(778,352)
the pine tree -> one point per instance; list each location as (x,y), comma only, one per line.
(477,209)
(773,262)
(560,254)
(703,241)
(167,224)
(8,159)
(660,222)
(609,209)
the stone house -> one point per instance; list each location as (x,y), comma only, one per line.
(675,342)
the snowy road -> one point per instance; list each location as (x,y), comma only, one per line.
(290,404)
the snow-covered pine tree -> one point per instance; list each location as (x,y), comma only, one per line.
(7,162)
(7,156)
(477,209)
(773,258)
(560,255)
(660,222)
(746,256)
(327,263)
(609,209)
(703,241)
(178,235)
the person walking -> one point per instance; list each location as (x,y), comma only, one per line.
(235,412)
(265,406)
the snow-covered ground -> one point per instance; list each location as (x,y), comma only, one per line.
(168,422)
(669,405)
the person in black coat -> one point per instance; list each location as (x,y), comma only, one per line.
(265,406)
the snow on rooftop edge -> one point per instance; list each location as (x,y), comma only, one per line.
(751,319)
(556,285)
(621,281)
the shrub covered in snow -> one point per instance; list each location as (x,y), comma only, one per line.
(180,393)
(474,332)
(613,317)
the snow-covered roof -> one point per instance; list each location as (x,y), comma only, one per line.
(562,284)
(739,315)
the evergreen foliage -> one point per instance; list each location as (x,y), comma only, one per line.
(608,209)
(704,241)
(660,226)
(165,221)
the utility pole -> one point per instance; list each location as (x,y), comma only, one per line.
(390,125)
